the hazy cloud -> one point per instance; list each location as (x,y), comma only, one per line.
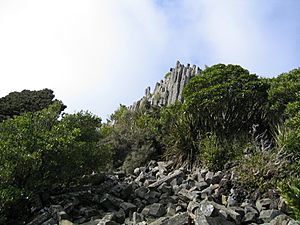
(97,54)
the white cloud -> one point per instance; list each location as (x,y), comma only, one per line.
(97,54)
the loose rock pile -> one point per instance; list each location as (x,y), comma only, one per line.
(157,194)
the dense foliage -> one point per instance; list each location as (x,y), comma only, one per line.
(39,152)
(226,98)
(134,137)
(16,103)
(229,119)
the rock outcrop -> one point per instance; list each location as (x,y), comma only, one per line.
(169,90)
(159,195)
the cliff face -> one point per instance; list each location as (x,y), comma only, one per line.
(169,90)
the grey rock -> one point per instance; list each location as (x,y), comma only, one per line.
(208,177)
(268,215)
(137,217)
(62,215)
(120,216)
(228,212)
(171,209)
(110,202)
(201,219)
(280,220)
(250,217)
(168,91)
(40,219)
(207,208)
(128,207)
(50,222)
(293,222)
(262,204)
(141,192)
(167,179)
(65,222)
(201,185)
(155,210)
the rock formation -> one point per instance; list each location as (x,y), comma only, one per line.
(157,194)
(168,91)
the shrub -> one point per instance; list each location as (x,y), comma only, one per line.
(131,131)
(215,153)
(180,138)
(283,91)
(262,169)
(16,103)
(224,98)
(39,151)
(290,191)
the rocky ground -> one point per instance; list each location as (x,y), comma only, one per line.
(158,194)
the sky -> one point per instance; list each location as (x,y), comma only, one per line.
(98,54)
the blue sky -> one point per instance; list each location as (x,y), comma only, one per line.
(98,54)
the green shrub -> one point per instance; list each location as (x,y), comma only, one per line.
(260,170)
(226,98)
(16,103)
(138,157)
(39,151)
(215,153)
(290,191)
(180,138)
(283,91)
(130,131)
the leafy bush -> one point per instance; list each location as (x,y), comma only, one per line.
(139,157)
(179,136)
(283,91)
(39,151)
(215,153)
(290,191)
(132,131)
(16,103)
(261,170)
(224,98)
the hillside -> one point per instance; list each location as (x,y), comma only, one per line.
(212,146)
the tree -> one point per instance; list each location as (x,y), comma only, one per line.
(16,103)
(283,91)
(39,151)
(226,100)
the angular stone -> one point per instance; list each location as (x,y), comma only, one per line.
(262,204)
(128,207)
(167,179)
(171,210)
(62,215)
(228,212)
(136,171)
(207,208)
(250,217)
(268,215)
(201,185)
(293,222)
(216,178)
(209,176)
(65,222)
(106,222)
(155,210)
(192,206)
(280,220)
(40,219)
(119,216)
(110,202)
(136,218)
(141,192)
(201,219)
(50,222)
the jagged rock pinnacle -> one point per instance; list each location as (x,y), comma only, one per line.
(169,90)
